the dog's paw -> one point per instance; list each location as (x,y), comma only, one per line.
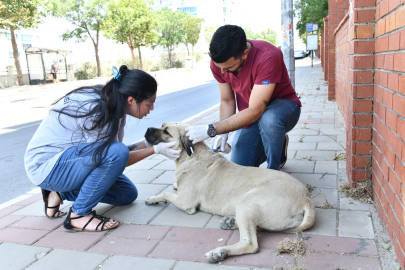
(227,223)
(151,200)
(216,255)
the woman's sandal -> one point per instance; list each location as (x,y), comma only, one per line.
(58,213)
(103,220)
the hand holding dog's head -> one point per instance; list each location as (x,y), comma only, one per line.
(170,132)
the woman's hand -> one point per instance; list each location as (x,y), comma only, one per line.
(166,150)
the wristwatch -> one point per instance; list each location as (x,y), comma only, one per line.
(211,131)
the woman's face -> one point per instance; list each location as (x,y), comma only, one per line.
(143,109)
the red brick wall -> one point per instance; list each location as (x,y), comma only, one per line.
(365,67)
(389,120)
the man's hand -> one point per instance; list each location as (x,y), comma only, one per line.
(197,133)
(223,138)
(166,150)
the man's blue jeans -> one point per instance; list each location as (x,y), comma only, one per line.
(264,139)
(76,180)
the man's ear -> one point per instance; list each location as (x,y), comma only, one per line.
(187,145)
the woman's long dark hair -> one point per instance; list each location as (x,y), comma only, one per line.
(105,114)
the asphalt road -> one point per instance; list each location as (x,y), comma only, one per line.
(176,106)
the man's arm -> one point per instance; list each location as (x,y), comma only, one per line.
(258,102)
(228,105)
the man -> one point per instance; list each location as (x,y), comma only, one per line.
(251,74)
(54,71)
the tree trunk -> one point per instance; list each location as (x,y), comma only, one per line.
(192,50)
(16,60)
(188,51)
(97,57)
(133,56)
(140,57)
(169,51)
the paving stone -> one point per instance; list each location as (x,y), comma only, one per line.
(21,236)
(165,178)
(144,165)
(300,131)
(299,166)
(198,235)
(183,251)
(75,241)
(317,180)
(342,164)
(310,139)
(137,212)
(325,223)
(330,195)
(101,208)
(173,216)
(159,157)
(264,258)
(167,165)
(7,220)
(265,239)
(214,222)
(182,265)
(131,263)
(39,223)
(362,219)
(124,246)
(329,167)
(352,204)
(143,176)
(329,146)
(169,188)
(315,155)
(29,200)
(63,260)
(334,131)
(301,146)
(318,126)
(37,209)
(340,245)
(25,254)
(140,231)
(147,190)
(322,261)
(9,210)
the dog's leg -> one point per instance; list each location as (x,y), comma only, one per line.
(248,239)
(182,203)
(228,223)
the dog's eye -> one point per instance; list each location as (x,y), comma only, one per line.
(165,132)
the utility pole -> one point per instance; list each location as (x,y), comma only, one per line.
(287,46)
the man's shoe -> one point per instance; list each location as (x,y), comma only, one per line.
(283,159)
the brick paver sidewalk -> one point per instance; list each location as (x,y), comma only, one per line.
(164,237)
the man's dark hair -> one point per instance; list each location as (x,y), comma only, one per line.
(228,41)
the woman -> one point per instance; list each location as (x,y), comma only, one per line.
(77,152)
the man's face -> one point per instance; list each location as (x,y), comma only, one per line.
(233,65)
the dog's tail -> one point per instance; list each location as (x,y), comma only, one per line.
(309,218)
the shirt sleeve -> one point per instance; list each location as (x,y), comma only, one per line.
(216,72)
(269,70)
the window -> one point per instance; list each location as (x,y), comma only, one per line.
(26,38)
(8,35)
(224,9)
(190,10)
(12,56)
(26,46)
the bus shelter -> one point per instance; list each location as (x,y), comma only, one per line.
(39,62)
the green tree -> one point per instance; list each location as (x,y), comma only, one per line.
(19,14)
(209,32)
(192,29)
(309,11)
(130,22)
(268,35)
(87,18)
(171,32)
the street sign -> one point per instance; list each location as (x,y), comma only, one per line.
(312,42)
(312,27)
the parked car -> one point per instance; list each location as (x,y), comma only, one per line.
(299,54)
(307,53)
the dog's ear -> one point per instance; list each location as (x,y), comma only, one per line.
(169,124)
(187,145)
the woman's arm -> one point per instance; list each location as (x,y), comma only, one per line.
(137,146)
(138,155)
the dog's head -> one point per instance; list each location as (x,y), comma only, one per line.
(170,132)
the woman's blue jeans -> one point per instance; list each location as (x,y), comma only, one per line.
(264,139)
(76,180)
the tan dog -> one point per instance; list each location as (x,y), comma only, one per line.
(207,181)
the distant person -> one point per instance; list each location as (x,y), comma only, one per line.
(251,75)
(77,152)
(54,71)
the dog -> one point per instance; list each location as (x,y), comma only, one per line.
(247,197)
